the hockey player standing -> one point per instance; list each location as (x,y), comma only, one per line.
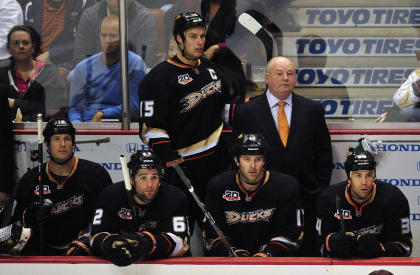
(70,188)
(258,210)
(363,216)
(157,229)
(181,105)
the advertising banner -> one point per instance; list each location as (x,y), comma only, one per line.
(359,17)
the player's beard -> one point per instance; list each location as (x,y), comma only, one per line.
(145,199)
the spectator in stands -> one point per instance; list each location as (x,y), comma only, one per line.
(142,31)
(95,83)
(407,100)
(34,86)
(56,21)
(10,15)
(362,216)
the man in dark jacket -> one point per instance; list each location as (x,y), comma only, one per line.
(298,137)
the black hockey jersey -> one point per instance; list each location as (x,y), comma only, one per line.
(73,198)
(386,213)
(181,108)
(165,217)
(258,222)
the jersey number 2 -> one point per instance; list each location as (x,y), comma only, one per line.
(98,216)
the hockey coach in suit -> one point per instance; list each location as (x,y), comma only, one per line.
(298,138)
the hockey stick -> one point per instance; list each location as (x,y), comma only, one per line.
(264,29)
(40,185)
(340,213)
(256,28)
(203,208)
(271,28)
(128,188)
(97,141)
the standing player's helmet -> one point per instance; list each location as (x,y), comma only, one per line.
(144,159)
(359,160)
(186,21)
(59,126)
(249,144)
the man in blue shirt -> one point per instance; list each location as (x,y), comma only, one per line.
(95,83)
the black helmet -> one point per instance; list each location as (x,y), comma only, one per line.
(144,159)
(359,160)
(58,126)
(186,21)
(249,144)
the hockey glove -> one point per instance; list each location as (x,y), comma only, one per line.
(114,248)
(79,247)
(369,246)
(38,213)
(13,238)
(140,244)
(341,245)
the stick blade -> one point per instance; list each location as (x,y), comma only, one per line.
(249,23)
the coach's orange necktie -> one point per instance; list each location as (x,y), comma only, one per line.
(283,125)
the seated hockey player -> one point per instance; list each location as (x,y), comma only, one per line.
(362,216)
(70,187)
(150,221)
(259,211)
